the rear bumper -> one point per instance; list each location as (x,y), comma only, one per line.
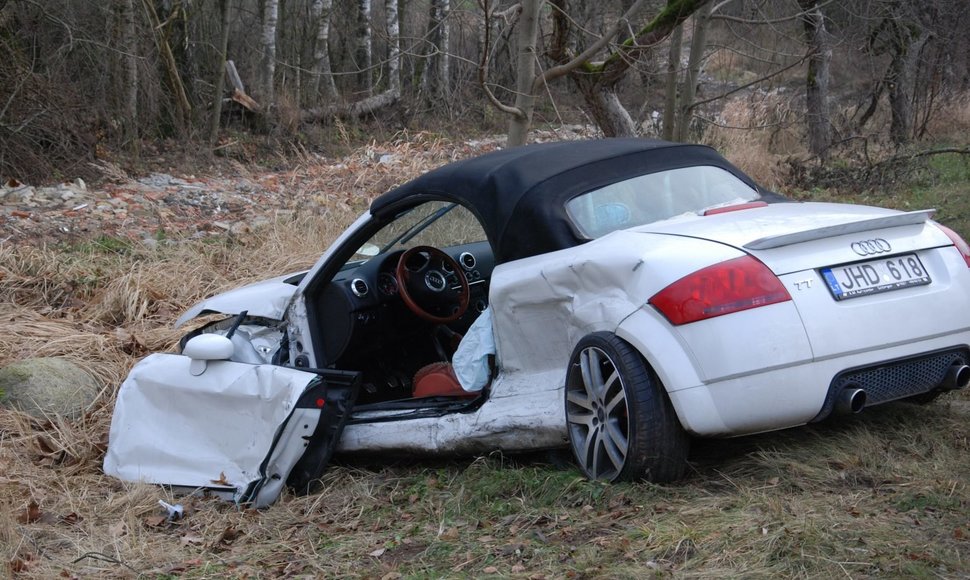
(787,397)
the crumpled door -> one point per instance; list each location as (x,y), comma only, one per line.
(242,428)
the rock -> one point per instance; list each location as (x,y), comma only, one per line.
(45,387)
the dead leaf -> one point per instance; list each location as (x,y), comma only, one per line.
(221,480)
(116,529)
(518,569)
(228,536)
(959,533)
(191,538)
(450,534)
(378,552)
(490,570)
(155,521)
(44,444)
(71,518)
(774,481)
(31,514)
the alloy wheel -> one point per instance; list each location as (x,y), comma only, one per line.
(597,414)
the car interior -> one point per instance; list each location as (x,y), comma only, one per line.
(403,301)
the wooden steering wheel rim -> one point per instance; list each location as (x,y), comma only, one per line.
(403,275)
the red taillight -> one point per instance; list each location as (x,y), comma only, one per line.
(731,286)
(957,242)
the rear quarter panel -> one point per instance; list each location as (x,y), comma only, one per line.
(544,305)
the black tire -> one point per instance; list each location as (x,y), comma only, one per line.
(621,424)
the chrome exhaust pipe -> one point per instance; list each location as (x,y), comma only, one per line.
(851,400)
(957,377)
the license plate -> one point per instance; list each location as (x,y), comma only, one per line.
(875,276)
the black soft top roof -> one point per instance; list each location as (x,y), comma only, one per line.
(519,194)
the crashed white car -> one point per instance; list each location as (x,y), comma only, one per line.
(637,293)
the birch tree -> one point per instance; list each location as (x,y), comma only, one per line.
(268,41)
(365,46)
(322,81)
(393,47)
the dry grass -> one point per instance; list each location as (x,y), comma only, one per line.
(758,133)
(881,495)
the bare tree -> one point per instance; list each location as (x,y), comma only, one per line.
(322,83)
(672,83)
(597,81)
(437,73)
(220,81)
(698,47)
(525,94)
(393,47)
(817,78)
(365,46)
(268,42)
(129,47)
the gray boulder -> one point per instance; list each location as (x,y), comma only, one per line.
(45,387)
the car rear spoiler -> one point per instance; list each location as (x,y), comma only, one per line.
(892,221)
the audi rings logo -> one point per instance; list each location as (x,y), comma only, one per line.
(871,247)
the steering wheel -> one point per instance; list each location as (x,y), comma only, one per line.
(423,277)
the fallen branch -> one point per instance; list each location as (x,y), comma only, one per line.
(918,154)
(355,110)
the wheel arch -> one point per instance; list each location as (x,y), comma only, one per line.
(669,359)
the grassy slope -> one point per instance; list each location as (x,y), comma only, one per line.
(881,494)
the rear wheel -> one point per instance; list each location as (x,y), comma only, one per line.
(621,424)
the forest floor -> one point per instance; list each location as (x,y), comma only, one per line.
(98,274)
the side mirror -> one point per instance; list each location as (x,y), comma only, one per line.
(205,347)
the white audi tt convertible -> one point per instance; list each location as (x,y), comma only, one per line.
(616,296)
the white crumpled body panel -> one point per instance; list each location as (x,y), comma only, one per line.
(172,428)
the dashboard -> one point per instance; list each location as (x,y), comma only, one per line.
(361,311)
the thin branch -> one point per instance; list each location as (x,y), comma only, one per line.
(483,66)
(918,154)
(773,21)
(746,85)
(564,69)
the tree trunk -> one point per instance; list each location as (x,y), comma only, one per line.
(698,46)
(444,60)
(183,108)
(129,41)
(393,47)
(322,82)
(817,79)
(437,68)
(525,72)
(270,16)
(220,81)
(902,77)
(672,80)
(365,56)
(604,106)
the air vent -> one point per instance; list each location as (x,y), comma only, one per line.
(467,260)
(359,287)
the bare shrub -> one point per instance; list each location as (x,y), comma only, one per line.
(757,133)
(950,121)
